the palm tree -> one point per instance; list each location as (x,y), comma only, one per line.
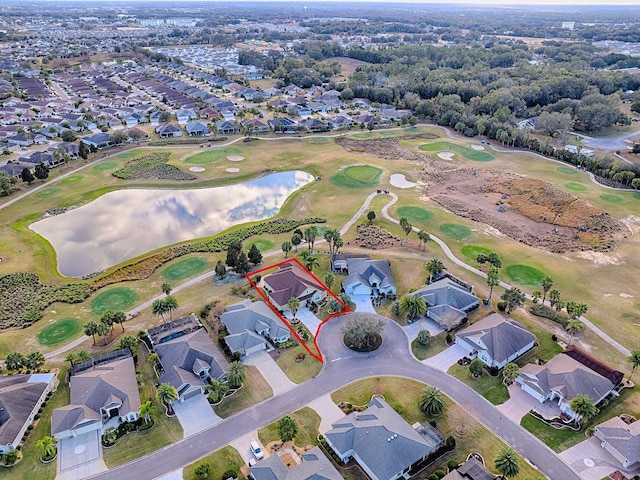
(634,360)
(159,308)
(492,280)
(167,393)
(103,331)
(236,374)
(573,327)
(71,358)
(153,359)
(294,305)
(216,390)
(434,266)
(406,226)
(310,261)
(83,355)
(146,410)
(171,304)
(583,407)
(329,280)
(507,462)
(90,330)
(47,446)
(510,372)
(546,284)
(286,248)
(119,317)
(432,401)
(554,297)
(414,306)
(166,288)
(424,237)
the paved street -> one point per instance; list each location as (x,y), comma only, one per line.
(344,366)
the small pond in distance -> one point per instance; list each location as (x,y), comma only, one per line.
(126,223)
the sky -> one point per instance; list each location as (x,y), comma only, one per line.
(417,2)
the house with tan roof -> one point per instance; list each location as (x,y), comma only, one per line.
(292,280)
(620,439)
(98,393)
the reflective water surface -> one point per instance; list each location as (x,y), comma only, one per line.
(123,224)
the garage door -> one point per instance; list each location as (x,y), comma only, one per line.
(192,393)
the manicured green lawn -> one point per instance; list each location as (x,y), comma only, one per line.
(415,214)
(105,166)
(489,387)
(119,298)
(363,136)
(227,458)
(255,390)
(472,251)
(455,230)
(525,275)
(72,179)
(608,197)
(357,176)
(58,331)
(48,191)
(308,423)
(557,440)
(262,243)
(130,154)
(469,153)
(189,267)
(212,155)
(576,187)
(302,371)
(568,170)
(435,346)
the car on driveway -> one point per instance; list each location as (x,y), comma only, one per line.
(256,450)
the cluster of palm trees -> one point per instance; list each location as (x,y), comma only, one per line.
(105,327)
(164,305)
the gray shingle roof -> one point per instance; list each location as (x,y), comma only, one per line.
(314,466)
(447,292)
(381,438)
(625,438)
(18,397)
(362,269)
(247,321)
(499,337)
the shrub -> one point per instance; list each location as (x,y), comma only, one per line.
(450,442)
(554,337)
(502,306)
(452,465)
(547,312)
(229,474)
(439,473)
(433,476)
(449,338)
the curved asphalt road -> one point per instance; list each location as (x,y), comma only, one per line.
(344,366)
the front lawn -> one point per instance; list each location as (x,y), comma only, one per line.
(436,345)
(255,390)
(226,458)
(298,371)
(308,423)
(489,387)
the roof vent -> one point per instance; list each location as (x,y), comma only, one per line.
(389,439)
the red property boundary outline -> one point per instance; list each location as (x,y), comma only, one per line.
(284,320)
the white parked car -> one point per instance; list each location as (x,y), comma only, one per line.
(257,451)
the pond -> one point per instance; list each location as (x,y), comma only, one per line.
(126,223)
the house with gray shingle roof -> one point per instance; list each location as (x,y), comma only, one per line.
(368,276)
(620,439)
(98,393)
(448,302)
(472,469)
(20,399)
(250,325)
(292,280)
(382,442)
(314,466)
(188,362)
(562,379)
(496,340)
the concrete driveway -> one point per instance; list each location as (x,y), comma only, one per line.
(591,461)
(519,403)
(271,372)
(241,444)
(195,415)
(422,324)
(327,410)
(80,457)
(446,358)
(363,303)
(307,318)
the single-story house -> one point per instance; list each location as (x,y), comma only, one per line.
(314,466)
(448,302)
(197,129)
(12,169)
(472,469)
(226,127)
(258,125)
(168,131)
(134,119)
(186,115)
(567,375)
(283,125)
(98,140)
(209,113)
(102,391)
(369,277)
(20,399)
(72,149)
(620,439)
(495,340)
(382,442)
(313,125)
(292,280)
(250,325)
(188,362)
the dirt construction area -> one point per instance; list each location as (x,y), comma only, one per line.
(529,210)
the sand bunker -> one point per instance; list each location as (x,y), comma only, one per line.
(233,170)
(400,181)
(196,169)
(235,158)
(446,155)
(477,147)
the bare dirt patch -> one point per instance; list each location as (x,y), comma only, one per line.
(375,238)
(347,65)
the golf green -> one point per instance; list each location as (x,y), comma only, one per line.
(525,275)
(106,166)
(127,155)
(119,298)
(472,251)
(607,197)
(567,170)
(415,214)
(48,191)
(357,176)
(186,268)
(72,179)
(456,231)
(212,155)
(575,186)
(58,332)
(262,243)
(468,153)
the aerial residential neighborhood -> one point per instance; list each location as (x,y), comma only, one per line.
(334,240)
